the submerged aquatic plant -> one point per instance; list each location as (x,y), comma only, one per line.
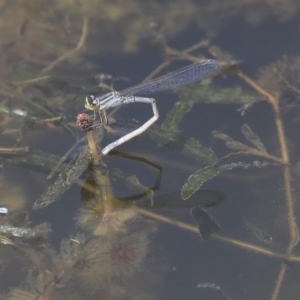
(103,223)
(108,263)
(118,256)
(16,225)
(37,231)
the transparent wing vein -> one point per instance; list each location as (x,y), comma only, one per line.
(184,76)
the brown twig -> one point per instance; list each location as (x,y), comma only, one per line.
(78,47)
(16,150)
(263,154)
(203,43)
(222,238)
(158,69)
(93,148)
(184,54)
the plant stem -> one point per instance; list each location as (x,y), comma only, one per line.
(293,229)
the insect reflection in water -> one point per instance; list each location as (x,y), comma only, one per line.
(197,203)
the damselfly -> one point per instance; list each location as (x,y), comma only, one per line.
(184,76)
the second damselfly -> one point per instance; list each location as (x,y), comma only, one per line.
(190,74)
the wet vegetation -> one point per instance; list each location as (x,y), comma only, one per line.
(48,53)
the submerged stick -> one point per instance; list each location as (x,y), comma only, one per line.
(78,47)
(219,237)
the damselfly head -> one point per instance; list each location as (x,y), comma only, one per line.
(89,102)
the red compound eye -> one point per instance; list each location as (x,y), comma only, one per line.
(84,121)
